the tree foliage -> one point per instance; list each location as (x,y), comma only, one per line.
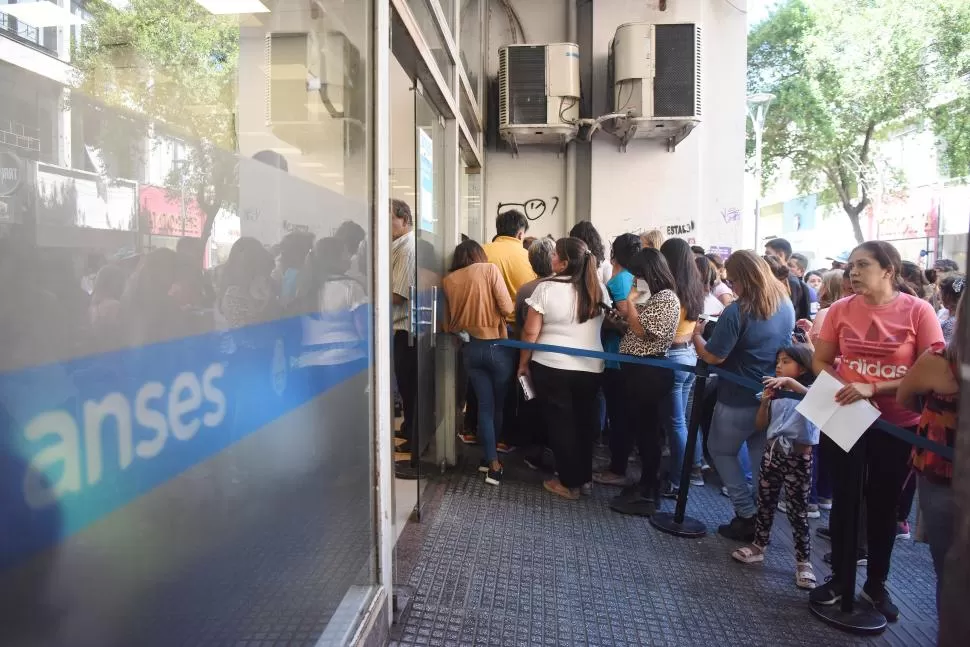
(842,73)
(951,116)
(167,66)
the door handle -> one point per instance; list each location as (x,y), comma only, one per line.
(434,315)
(412,315)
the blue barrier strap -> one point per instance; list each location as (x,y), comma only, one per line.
(594,354)
(893,430)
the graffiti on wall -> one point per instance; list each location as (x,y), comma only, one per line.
(533,208)
(680,230)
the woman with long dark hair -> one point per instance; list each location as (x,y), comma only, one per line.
(690,293)
(652,326)
(478,303)
(746,340)
(566,310)
(878,332)
(586,232)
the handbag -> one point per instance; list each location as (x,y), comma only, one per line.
(613,321)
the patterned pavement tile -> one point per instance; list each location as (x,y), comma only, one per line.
(514,566)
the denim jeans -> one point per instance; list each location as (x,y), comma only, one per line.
(490,372)
(939,511)
(676,413)
(731,428)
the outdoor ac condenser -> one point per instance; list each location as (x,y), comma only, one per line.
(655,78)
(539,93)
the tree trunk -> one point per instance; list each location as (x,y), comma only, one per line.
(955,596)
(856,226)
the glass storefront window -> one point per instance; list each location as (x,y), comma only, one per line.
(468,116)
(186,334)
(448,8)
(470,43)
(471,203)
(426,21)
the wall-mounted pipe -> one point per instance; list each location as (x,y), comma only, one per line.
(572,36)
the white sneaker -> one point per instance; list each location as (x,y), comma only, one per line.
(782,506)
(724,491)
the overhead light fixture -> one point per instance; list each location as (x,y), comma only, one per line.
(226,7)
(42,14)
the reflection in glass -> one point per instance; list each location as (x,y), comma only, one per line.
(185,334)
(425,18)
(470,43)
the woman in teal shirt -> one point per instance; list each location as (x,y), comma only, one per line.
(625,247)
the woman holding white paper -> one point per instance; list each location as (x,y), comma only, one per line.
(878,332)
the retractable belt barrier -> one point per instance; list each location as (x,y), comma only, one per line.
(740,380)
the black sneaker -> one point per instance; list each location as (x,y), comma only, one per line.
(483,466)
(824,532)
(862,559)
(876,593)
(636,504)
(740,529)
(827,594)
(494,477)
(669,491)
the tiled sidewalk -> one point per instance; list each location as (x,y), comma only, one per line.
(514,565)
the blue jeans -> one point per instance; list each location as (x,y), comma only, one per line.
(490,372)
(677,414)
(939,511)
(731,428)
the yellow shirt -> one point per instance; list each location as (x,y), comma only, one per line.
(683,326)
(512,260)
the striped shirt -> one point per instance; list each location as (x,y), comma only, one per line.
(402,277)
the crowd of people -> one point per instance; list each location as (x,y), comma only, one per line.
(888,337)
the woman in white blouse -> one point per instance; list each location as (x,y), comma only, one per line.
(566,310)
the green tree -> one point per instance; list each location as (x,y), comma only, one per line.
(951,114)
(840,71)
(166,66)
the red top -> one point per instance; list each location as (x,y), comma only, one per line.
(937,422)
(881,343)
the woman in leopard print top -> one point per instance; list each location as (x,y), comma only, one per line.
(652,328)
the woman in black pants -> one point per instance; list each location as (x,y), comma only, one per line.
(651,332)
(879,332)
(565,310)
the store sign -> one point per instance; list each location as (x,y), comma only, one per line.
(71,198)
(956,210)
(11,173)
(908,216)
(799,214)
(170,215)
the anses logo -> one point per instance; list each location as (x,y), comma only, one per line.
(175,410)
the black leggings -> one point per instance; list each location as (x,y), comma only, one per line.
(568,403)
(646,389)
(886,465)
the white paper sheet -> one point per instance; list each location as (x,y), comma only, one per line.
(843,424)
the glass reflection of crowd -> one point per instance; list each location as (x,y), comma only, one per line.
(58,307)
(767,318)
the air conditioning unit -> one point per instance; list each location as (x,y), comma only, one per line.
(315,87)
(655,78)
(538,94)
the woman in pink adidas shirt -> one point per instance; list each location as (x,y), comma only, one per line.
(878,332)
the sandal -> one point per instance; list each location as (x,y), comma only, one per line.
(749,554)
(557,488)
(805,576)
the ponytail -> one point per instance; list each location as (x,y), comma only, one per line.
(581,271)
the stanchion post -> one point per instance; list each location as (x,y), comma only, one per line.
(851,615)
(679,524)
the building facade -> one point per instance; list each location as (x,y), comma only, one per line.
(180,433)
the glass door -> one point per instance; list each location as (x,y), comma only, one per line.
(430,254)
